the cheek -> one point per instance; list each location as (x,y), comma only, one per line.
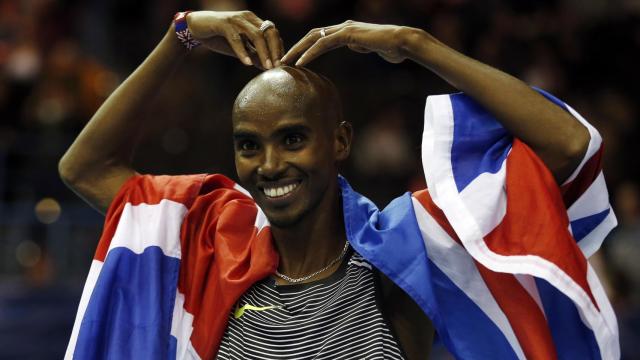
(243,169)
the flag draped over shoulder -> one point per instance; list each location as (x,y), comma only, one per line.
(494,252)
(525,241)
(175,254)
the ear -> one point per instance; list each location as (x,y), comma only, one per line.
(342,140)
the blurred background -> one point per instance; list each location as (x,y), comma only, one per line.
(60,59)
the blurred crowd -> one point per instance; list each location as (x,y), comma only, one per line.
(60,59)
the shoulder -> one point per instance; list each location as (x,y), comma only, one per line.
(184,189)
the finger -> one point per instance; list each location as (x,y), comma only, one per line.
(301,46)
(258,42)
(321,46)
(272,39)
(307,41)
(237,45)
(255,59)
(274,42)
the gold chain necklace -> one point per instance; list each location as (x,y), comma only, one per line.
(307,277)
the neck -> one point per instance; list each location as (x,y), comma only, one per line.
(313,242)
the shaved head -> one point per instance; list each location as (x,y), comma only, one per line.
(294,90)
(289,136)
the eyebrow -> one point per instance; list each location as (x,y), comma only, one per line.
(243,134)
(286,128)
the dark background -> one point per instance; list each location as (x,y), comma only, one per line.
(60,59)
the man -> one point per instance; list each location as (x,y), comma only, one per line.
(289,138)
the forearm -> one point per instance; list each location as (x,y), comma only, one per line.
(556,136)
(108,136)
(98,161)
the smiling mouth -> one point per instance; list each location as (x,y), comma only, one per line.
(274,192)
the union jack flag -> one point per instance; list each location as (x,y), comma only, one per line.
(494,252)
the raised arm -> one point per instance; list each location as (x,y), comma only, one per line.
(557,137)
(99,160)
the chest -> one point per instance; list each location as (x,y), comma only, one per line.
(335,317)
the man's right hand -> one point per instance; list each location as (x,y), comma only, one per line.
(237,33)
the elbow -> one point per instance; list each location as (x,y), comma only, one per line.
(568,155)
(68,171)
(577,144)
(65,170)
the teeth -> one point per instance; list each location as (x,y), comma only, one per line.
(279,191)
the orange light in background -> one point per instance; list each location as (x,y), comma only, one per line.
(28,253)
(48,210)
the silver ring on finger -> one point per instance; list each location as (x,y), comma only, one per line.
(323,33)
(267,24)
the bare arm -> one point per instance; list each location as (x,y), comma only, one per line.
(558,138)
(99,161)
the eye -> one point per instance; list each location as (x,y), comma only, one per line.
(293,139)
(247,145)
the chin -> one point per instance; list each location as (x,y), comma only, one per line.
(282,220)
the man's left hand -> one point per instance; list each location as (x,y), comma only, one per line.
(385,40)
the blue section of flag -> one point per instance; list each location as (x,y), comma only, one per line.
(465,329)
(583,226)
(573,340)
(173,348)
(480,144)
(130,311)
(552,98)
(377,236)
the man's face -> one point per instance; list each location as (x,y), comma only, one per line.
(285,159)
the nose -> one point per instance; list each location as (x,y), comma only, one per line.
(271,166)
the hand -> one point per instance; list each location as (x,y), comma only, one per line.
(385,40)
(237,33)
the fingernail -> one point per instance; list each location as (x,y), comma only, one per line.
(269,64)
(247,61)
(278,63)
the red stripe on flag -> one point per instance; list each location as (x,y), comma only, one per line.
(589,172)
(525,316)
(523,313)
(109,230)
(220,226)
(536,221)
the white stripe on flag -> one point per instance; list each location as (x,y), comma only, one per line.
(591,243)
(181,329)
(594,200)
(482,195)
(612,346)
(241,189)
(261,221)
(145,225)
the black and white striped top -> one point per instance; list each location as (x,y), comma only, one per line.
(337,317)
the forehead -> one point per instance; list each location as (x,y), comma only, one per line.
(262,121)
(269,110)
